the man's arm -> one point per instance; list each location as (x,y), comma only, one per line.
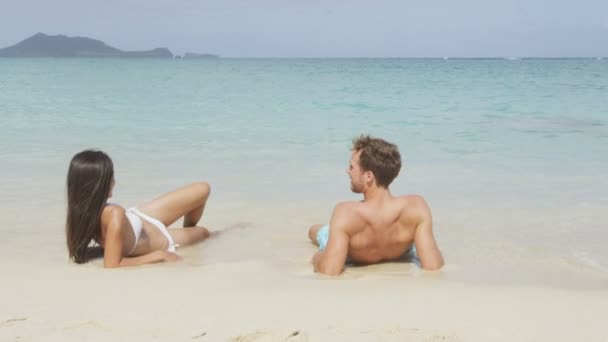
(426,246)
(331,261)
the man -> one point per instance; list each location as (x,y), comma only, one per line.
(382,227)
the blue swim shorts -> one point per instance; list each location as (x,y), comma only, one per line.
(323,237)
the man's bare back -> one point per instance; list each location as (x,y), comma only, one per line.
(379,228)
(385,230)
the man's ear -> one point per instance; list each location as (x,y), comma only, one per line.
(369,177)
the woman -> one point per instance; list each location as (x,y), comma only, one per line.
(133,236)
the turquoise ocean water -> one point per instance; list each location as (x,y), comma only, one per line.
(504,150)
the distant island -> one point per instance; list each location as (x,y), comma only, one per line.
(60,46)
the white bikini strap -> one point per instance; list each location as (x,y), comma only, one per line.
(160,226)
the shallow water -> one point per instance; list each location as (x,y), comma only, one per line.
(510,154)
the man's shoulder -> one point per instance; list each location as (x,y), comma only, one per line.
(413,199)
(347,207)
(416,205)
(349,214)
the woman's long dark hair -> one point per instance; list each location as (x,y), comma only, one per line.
(89,184)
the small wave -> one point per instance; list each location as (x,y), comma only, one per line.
(358,106)
(588,261)
(559,126)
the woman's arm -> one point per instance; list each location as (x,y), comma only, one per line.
(150,258)
(113,244)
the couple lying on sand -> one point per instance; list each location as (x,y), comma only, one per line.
(382,227)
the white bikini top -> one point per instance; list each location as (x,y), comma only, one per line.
(136,224)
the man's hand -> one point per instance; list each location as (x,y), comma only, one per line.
(315,258)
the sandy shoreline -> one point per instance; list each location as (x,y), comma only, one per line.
(250,299)
(254,283)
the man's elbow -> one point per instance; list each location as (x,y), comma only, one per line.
(328,270)
(432,265)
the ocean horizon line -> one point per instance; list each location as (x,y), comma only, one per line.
(327,58)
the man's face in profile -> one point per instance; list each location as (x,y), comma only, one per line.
(355,173)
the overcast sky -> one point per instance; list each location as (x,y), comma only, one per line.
(330,28)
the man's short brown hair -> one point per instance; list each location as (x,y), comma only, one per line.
(378,156)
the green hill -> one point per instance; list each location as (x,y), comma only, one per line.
(60,46)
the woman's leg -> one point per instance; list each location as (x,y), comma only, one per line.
(188,235)
(188,202)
